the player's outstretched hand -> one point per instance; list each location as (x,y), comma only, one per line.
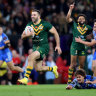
(58,49)
(69,87)
(71,6)
(78,39)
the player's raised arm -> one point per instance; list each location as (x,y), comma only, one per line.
(54,32)
(68,18)
(93,42)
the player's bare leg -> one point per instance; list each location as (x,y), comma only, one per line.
(71,68)
(82,61)
(12,67)
(31,60)
(39,67)
(94,67)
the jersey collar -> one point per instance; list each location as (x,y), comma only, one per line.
(38,22)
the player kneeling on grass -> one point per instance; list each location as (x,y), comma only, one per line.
(39,33)
(5,53)
(82,81)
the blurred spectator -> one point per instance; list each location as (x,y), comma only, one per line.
(55,21)
(41,75)
(63,70)
(17,62)
(30,44)
(26,7)
(20,47)
(40,4)
(49,75)
(62,23)
(62,6)
(51,48)
(89,61)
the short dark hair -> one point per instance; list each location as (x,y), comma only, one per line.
(80,72)
(35,10)
(83,16)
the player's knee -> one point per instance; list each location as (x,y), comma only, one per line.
(31,57)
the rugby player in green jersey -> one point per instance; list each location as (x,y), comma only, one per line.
(40,45)
(82,30)
(93,42)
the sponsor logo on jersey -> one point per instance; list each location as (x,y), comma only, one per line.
(41,27)
(38,40)
(86,28)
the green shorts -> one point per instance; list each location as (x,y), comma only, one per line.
(74,52)
(42,49)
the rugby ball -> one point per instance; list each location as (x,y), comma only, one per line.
(29,29)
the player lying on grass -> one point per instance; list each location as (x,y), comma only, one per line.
(5,53)
(82,81)
(93,42)
(41,29)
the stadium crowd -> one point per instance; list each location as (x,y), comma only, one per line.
(15,14)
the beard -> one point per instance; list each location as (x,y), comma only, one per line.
(35,20)
(81,23)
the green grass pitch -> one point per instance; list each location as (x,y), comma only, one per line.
(43,90)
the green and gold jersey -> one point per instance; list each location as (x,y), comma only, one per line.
(41,32)
(80,31)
